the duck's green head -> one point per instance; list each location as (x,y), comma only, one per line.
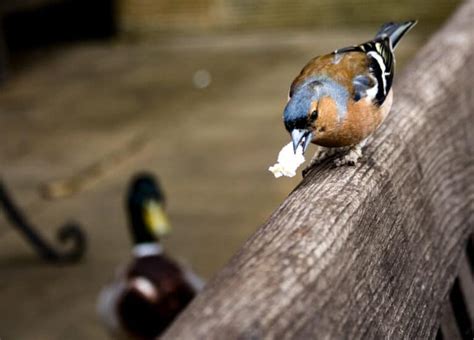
(145,207)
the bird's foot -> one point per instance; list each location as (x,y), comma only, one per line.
(320,155)
(351,157)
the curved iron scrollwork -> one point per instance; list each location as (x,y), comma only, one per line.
(68,233)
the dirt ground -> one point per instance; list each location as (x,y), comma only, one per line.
(211,148)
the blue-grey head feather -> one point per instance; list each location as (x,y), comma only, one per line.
(314,88)
(295,115)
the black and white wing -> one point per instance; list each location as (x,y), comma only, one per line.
(378,82)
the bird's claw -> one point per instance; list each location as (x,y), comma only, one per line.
(350,158)
(320,155)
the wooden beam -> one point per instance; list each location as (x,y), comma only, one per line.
(3,55)
(466,281)
(6,7)
(449,326)
(22,5)
(371,251)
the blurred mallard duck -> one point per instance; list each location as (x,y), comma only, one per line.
(153,289)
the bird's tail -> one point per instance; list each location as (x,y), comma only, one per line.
(395,31)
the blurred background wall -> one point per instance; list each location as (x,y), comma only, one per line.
(26,24)
(151,16)
(75,18)
(35,23)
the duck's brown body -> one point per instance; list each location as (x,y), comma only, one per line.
(146,316)
(145,298)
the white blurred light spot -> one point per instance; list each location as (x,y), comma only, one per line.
(202,79)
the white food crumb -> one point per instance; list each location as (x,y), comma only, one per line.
(288,161)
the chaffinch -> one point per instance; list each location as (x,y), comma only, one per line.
(340,98)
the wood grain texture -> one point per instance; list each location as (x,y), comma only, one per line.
(365,252)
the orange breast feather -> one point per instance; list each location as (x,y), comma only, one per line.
(362,119)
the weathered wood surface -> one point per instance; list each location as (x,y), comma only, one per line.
(365,252)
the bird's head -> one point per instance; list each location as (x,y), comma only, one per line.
(145,207)
(301,113)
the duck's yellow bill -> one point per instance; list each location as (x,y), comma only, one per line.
(155,219)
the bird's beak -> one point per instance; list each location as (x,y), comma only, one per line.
(301,137)
(155,218)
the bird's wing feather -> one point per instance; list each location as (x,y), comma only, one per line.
(366,70)
(339,67)
(381,67)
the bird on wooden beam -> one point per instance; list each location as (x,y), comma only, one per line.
(339,99)
(152,289)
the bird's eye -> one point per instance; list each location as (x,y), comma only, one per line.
(314,115)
